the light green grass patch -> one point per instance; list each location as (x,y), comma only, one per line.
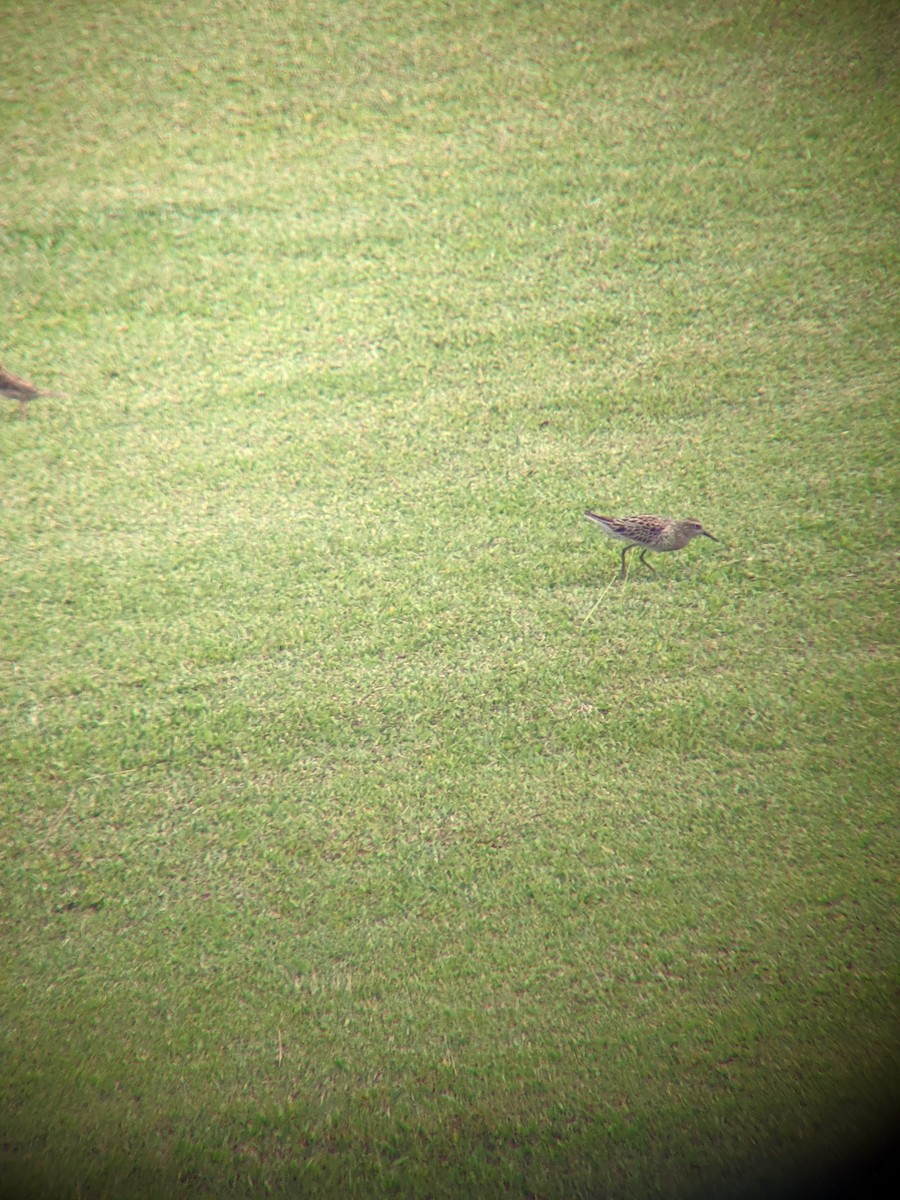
(362,834)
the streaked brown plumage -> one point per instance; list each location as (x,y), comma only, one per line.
(21,390)
(649,532)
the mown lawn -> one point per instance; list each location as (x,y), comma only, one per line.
(362,835)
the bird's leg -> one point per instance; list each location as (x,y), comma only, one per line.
(23,409)
(646,564)
(623,573)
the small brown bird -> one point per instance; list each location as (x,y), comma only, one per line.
(21,390)
(650,533)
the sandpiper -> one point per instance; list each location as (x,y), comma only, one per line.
(650,533)
(21,390)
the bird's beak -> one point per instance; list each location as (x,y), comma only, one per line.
(710,536)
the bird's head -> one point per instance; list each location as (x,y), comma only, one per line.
(694,529)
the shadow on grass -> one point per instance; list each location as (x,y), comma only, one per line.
(465,1158)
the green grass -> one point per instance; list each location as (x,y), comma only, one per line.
(362,836)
